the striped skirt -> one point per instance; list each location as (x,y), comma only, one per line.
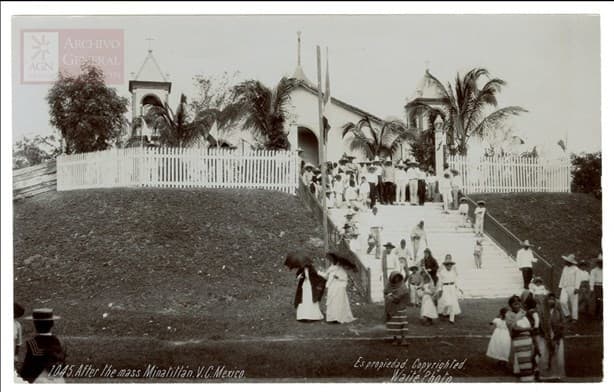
(522,357)
(397,324)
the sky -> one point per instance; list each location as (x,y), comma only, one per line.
(551,63)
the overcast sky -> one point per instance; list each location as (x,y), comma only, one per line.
(551,63)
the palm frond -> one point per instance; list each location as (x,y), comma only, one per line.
(496,118)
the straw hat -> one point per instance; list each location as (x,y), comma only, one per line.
(389,245)
(570,258)
(42,314)
(481,202)
(526,243)
(448,260)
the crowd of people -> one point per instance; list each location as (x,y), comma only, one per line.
(366,183)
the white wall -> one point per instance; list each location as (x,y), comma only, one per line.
(303,111)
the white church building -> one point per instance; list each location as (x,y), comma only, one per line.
(151,85)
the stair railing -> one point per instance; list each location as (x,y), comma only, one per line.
(361,278)
(510,243)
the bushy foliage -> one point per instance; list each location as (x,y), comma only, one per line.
(586,173)
(88,114)
(39,149)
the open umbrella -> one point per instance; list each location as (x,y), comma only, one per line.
(297,260)
(342,260)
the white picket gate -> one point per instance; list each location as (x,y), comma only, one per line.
(512,174)
(179,168)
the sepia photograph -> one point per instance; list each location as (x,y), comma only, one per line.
(305,198)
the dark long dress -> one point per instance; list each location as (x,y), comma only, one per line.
(431,266)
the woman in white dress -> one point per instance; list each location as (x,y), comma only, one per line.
(428,311)
(309,289)
(500,342)
(307,300)
(448,302)
(337,301)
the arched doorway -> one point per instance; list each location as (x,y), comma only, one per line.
(308,142)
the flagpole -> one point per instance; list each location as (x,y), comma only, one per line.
(322,152)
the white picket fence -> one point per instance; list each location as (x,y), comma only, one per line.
(512,174)
(179,168)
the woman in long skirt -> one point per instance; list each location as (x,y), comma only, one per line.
(551,340)
(337,302)
(522,352)
(396,297)
(307,299)
(428,311)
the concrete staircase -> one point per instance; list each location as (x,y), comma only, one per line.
(498,278)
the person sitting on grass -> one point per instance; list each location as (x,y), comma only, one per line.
(500,341)
(396,297)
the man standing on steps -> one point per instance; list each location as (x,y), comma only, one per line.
(375,225)
(388,178)
(570,287)
(525,260)
(416,236)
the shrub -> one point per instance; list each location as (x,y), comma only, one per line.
(586,173)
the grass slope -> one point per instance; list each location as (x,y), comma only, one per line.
(180,265)
(558,223)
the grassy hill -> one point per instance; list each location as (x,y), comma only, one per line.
(182,275)
(152,258)
(557,223)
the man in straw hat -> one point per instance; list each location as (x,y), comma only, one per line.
(448,299)
(44,351)
(570,287)
(390,263)
(412,177)
(401,182)
(525,259)
(388,179)
(596,286)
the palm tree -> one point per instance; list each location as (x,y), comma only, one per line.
(465,107)
(264,110)
(382,142)
(177,129)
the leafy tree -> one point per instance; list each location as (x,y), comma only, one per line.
(466,106)
(586,173)
(29,152)
(88,114)
(378,142)
(264,110)
(178,128)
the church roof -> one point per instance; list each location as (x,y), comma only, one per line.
(300,74)
(150,70)
(425,92)
(310,88)
(425,88)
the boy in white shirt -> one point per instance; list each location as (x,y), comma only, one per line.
(463,212)
(363,193)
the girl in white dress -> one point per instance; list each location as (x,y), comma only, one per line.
(500,342)
(428,311)
(337,302)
